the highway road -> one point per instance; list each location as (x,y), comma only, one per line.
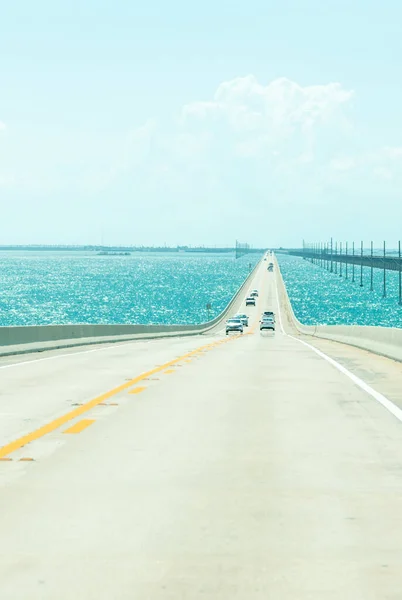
(241,467)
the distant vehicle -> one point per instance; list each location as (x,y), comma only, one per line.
(250,301)
(267,323)
(271,267)
(234,324)
(254,293)
(243,318)
(268,313)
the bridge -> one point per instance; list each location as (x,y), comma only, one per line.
(358,258)
(333,257)
(179,463)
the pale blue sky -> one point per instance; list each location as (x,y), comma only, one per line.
(95,136)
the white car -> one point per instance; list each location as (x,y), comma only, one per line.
(254,293)
(268,313)
(234,324)
(267,323)
(250,301)
(243,318)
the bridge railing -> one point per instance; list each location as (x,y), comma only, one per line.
(349,259)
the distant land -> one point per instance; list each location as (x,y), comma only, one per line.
(128,249)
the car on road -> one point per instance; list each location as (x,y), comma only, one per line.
(268,313)
(267,323)
(243,318)
(254,293)
(250,301)
(234,324)
(271,267)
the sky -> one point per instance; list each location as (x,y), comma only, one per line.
(182,123)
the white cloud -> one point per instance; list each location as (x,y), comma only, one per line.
(262,118)
(2,125)
(248,147)
(247,104)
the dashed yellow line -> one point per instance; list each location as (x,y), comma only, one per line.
(137,390)
(80,426)
(87,406)
(19,443)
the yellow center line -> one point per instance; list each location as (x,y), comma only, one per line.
(84,408)
(80,426)
(87,406)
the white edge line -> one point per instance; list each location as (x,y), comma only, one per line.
(72,353)
(390,406)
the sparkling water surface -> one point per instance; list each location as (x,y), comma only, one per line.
(322,298)
(42,288)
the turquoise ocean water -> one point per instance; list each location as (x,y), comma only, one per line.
(41,288)
(319,297)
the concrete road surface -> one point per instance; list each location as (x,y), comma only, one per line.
(242,467)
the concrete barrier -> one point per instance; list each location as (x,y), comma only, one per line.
(385,341)
(31,338)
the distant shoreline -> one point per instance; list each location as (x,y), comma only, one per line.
(123,249)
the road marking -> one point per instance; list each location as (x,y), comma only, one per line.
(390,406)
(169,371)
(137,390)
(80,426)
(73,353)
(36,360)
(383,400)
(6,459)
(26,459)
(82,409)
